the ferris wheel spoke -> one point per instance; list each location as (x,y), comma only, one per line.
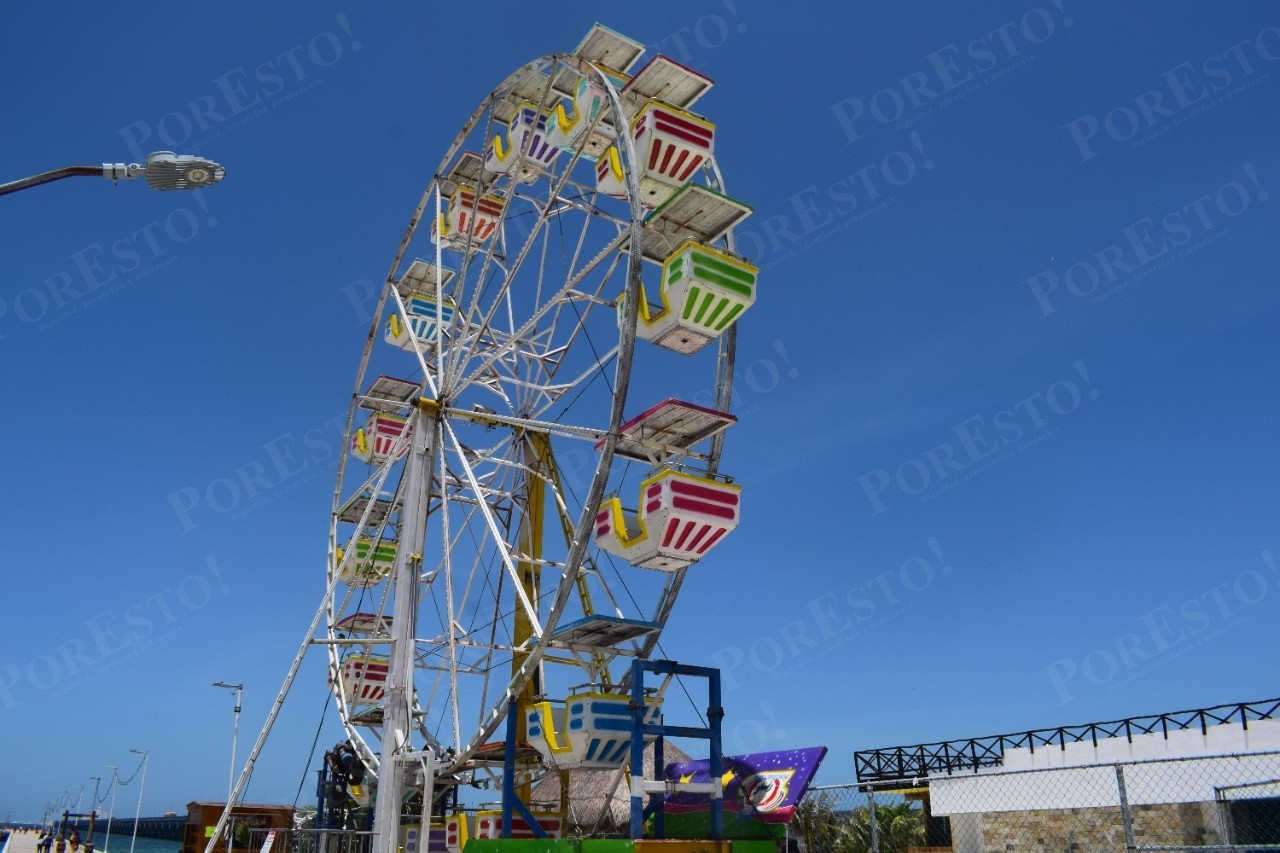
(539,313)
(554,428)
(544,212)
(481,329)
(450,623)
(499,540)
(540,227)
(481,277)
(579,327)
(428,371)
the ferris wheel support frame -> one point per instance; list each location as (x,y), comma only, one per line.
(396,741)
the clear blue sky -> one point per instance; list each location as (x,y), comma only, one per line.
(1008,398)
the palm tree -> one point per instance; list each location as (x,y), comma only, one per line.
(898,827)
(820,826)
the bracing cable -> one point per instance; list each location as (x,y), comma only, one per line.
(311,755)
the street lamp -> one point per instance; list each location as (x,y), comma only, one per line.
(146,757)
(115,777)
(163,170)
(235,734)
(59,805)
(93,812)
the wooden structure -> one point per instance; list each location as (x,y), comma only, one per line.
(250,826)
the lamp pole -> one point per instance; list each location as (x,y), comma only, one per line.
(146,758)
(115,777)
(93,813)
(163,170)
(235,736)
(60,804)
(53,807)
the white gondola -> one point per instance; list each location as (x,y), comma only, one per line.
(370,564)
(671,145)
(364,679)
(489,825)
(524,142)
(681,517)
(589,731)
(375,442)
(467,222)
(584,120)
(702,292)
(428,319)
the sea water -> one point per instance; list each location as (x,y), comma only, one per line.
(120,842)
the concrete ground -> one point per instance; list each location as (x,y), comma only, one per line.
(22,842)
(25,842)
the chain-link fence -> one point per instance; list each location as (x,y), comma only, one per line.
(313,840)
(1226,802)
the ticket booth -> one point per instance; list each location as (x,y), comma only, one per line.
(257,828)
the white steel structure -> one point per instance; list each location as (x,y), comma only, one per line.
(473,579)
(514,349)
(457,545)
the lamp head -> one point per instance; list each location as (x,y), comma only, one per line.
(168,171)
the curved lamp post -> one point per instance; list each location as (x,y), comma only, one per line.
(163,170)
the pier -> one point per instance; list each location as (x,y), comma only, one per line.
(21,842)
(168,827)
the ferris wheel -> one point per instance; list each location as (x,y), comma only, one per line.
(576,226)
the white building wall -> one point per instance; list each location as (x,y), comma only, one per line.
(1079,787)
(1084,776)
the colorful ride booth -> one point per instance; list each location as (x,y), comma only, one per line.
(623,787)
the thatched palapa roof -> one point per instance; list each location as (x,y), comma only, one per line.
(599,800)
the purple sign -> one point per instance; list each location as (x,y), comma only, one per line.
(764,786)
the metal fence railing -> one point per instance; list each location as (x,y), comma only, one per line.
(1209,803)
(311,840)
(926,759)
